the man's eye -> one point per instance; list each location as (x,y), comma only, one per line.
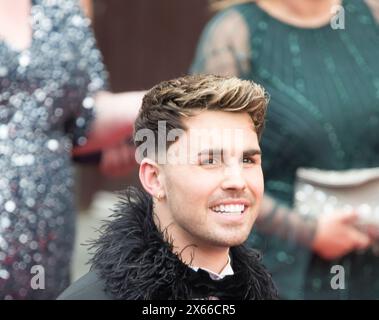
(248,160)
(207,161)
(210,161)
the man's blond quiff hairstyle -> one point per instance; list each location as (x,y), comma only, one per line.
(173,100)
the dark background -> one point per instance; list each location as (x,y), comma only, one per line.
(146,41)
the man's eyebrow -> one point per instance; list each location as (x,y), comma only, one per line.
(210,152)
(248,152)
(252,152)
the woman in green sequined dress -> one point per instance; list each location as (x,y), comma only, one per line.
(322,73)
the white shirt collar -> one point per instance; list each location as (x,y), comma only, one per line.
(227,271)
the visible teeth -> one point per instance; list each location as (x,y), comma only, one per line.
(230,208)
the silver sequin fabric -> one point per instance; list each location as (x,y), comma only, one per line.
(46,105)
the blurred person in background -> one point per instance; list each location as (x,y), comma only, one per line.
(324,113)
(52,96)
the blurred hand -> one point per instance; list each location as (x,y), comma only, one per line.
(336,235)
(115,116)
(118,160)
(372,230)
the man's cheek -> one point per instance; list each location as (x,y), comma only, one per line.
(261,188)
(256,185)
(260,183)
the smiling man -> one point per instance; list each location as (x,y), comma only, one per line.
(181,238)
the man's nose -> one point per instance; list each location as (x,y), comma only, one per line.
(233,178)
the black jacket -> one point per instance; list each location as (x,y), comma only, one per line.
(133,261)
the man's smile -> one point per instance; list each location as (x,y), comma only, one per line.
(231,207)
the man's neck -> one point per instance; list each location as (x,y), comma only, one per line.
(191,251)
(213,259)
(197,254)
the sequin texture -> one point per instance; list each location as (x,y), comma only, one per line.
(45,104)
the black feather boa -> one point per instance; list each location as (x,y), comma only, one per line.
(135,261)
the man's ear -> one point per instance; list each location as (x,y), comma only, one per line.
(149,175)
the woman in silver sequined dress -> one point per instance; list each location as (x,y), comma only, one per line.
(50,77)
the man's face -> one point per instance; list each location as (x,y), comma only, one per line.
(213,199)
